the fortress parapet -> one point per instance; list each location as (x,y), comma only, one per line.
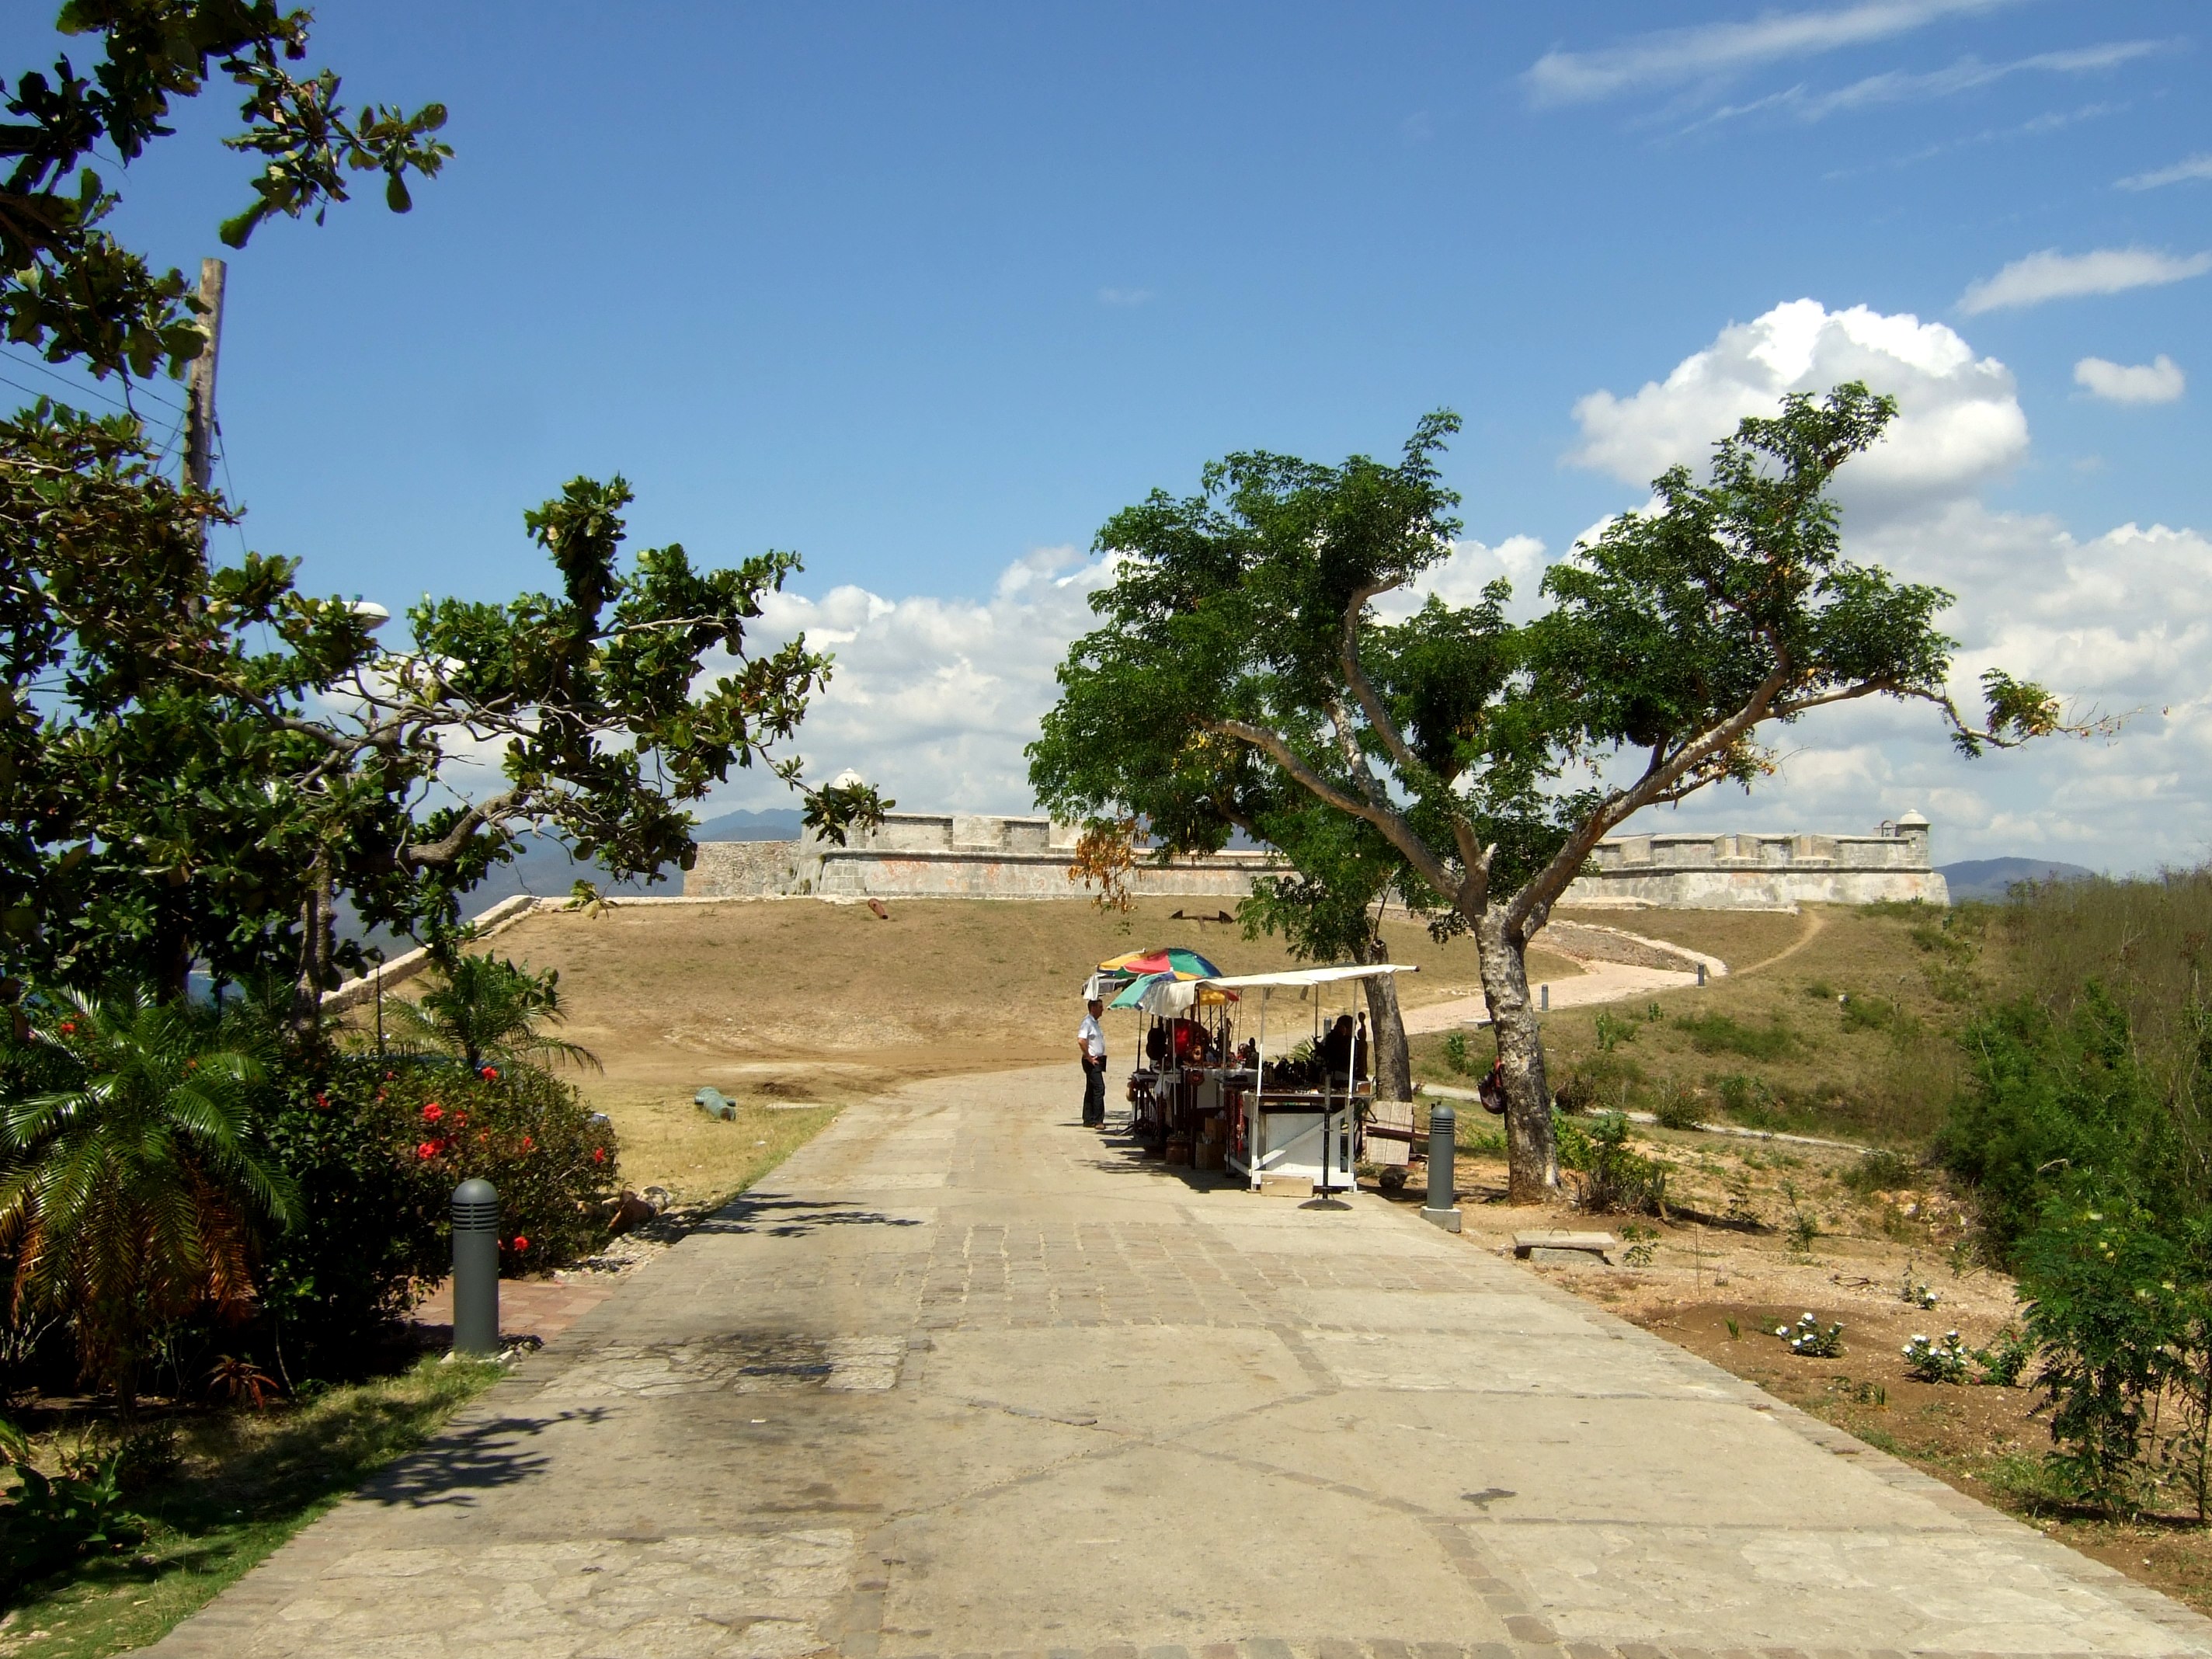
(973,855)
(950,855)
(1763,872)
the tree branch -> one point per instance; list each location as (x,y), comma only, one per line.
(1393,824)
(435,854)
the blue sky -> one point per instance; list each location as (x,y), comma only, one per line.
(921,291)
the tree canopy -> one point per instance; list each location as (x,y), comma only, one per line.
(1492,754)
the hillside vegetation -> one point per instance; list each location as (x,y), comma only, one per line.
(1835,1020)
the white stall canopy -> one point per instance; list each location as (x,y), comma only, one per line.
(1172,997)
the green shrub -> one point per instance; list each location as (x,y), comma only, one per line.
(377,1148)
(1865,1013)
(1808,1340)
(1676,1107)
(2101,1313)
(551,1158)
(370,1223)
(1880,1171)
(1611,1031)
(2003,1364)
(2056,1106)
(54,1517)
(1457,1056)
(1718,1034)
(1936,1359)
(1615,1176)
(1744,1098)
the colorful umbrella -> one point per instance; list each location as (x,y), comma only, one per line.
(1173,959)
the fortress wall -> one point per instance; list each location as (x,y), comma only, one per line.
(948,856)
(973,856)
(1763,871)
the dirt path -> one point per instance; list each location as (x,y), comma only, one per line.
(1599,981)
(966,1378)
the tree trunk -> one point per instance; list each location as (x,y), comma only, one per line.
(1532,1157)
(317,939)
(1393,1062)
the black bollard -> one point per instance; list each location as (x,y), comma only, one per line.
(1444,1133)
(476,1270)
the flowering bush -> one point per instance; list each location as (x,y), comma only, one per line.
(1806,1338)
(528,1133)
(1936,1360)
(377,1148)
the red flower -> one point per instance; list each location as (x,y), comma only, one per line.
(430,1149)
(69,1027)
(433,1112)
(322,1103)
(528,1145)
(459,1118)
(520,1243)
(599,1154)
(491,1075)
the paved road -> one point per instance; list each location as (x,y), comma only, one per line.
(966,1379)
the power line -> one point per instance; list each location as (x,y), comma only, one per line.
(92,390)
(230,489)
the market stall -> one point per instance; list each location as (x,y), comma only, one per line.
(1297,1115)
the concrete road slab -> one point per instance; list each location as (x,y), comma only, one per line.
(966,1378)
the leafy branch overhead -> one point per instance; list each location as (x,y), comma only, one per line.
(73,291)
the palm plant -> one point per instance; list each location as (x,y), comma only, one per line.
(129,1190)
(488,1011)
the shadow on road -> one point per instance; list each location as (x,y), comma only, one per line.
(778,1217)
(481,1458)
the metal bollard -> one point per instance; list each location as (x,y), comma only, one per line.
(1544,998)
(476,1270)
(1701,973)
(1443,1134)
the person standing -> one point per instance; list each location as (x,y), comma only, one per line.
(1090,1045)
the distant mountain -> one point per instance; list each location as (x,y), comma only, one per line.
(778,823)
(1991,878)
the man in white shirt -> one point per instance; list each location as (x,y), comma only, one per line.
(1090,1047)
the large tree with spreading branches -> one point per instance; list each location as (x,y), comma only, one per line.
(1493,755)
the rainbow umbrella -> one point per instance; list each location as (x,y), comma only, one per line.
(1170,959)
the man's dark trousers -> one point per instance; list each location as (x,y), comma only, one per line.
(1094,1091)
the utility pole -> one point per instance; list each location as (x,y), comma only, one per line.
(199,383)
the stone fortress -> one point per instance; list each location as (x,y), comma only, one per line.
(969,856)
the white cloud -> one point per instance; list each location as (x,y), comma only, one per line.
(1459,578)
(932,699)
(2197,166)
(935,698)
(2051,274)
(2119,623)
(1959,419)
(1671,57)
(2160,381)
(1967,75)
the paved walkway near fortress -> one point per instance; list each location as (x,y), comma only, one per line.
(963,1378)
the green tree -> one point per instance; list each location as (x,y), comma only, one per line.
(198,761)
(1494,756)
(67,287)
(130,1189)
(484,1011)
